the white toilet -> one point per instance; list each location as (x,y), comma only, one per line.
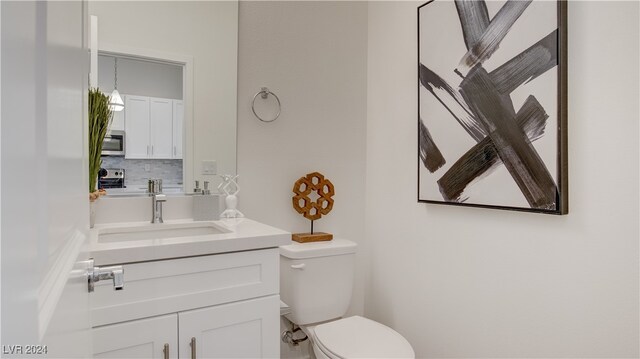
(316,281)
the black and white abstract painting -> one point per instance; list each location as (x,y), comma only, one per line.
(492,104)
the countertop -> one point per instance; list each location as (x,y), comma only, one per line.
(243,234)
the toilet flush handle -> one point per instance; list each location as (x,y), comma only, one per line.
(298,266)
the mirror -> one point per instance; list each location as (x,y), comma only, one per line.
(176,72)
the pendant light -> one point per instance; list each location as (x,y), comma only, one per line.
(115,101)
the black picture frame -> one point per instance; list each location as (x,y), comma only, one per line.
(425,142)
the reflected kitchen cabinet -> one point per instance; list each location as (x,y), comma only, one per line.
(178,123)
(153,128)
(137,122)
(161,128)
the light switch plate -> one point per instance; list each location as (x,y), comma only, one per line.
(209,167)
(147,167)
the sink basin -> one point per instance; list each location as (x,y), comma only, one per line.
(158,231)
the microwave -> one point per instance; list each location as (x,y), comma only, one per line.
(113,144)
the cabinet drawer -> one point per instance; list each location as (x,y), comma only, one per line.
(169,286)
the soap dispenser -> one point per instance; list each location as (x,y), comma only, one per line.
(206,206)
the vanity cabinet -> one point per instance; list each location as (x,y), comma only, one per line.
(247,329)
(145,338)
(153,127)
(222,305)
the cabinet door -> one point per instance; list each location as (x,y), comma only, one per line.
(161,128)
(145,338)
(118,118)
(137,127)
(247,329)
(178,123)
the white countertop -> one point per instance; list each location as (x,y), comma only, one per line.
(243,235)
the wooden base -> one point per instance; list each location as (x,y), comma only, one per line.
(308,237)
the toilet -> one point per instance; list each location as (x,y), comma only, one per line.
(316,282)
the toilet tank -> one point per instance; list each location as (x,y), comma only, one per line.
(316,279)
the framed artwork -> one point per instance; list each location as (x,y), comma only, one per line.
(492,93)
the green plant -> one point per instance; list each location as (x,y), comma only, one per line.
(99,119)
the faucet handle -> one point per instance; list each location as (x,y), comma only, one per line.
(154,185)
(96,274)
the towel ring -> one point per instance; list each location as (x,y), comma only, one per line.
(264,93)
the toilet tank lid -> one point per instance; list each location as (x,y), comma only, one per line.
(333,247)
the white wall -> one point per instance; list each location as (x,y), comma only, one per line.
(142,78)
(313,56)
(466,282)
(204,30)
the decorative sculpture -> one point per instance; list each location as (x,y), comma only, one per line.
(231,200)
(313,185)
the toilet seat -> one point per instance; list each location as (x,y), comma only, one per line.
(358,337)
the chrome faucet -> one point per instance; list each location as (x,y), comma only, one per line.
(157,198)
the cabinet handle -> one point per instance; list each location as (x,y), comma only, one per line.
(151,150)
(165,351)
(174,150)
(147,150)
(193,347)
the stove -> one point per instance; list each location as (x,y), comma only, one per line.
(111,178)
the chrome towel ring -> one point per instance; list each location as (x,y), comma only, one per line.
(264,93)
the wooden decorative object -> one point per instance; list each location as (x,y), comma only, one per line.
(312,210)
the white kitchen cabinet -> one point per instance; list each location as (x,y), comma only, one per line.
(178,123)
(151,128)
(145,338)
(247,329)
(137,122)
(161,128)
(229,303)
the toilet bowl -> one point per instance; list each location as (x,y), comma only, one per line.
(357,337)
(316,282)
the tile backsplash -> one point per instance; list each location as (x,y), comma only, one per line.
(136,174)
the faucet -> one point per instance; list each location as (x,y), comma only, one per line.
(157,198)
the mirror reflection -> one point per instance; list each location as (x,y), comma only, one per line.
(145,137)
(174,66)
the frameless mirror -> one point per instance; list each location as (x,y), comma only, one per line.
(174,65)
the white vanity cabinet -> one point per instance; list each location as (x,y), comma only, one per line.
(220,306)
(247,329)
(155,337)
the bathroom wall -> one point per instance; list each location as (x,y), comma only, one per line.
(467,282)
(313,56)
